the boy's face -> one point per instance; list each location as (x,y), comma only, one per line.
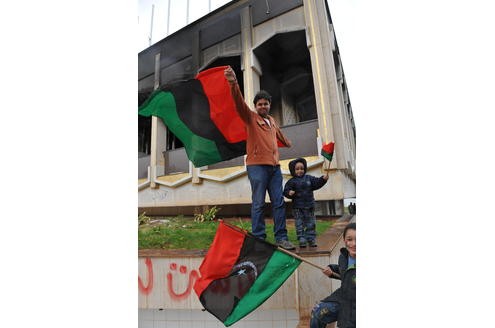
(262,107)
(299,169)
(350,242)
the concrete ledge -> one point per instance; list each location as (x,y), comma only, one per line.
(326,244)
(328,240)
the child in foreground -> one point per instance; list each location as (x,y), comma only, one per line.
(300,189)
(340,306)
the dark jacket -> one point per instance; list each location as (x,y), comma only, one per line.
(346,294)
(303,186)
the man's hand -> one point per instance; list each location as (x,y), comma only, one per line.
(328,272)
(291,192)
(325,177)
(229,74)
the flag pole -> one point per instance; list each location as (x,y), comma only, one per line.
(299,257)
(306,261)
(326,165)
(281,249)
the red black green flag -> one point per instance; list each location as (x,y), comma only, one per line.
(201,113)
(327,150)
(239,273)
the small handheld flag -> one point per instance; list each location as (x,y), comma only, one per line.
(327,150)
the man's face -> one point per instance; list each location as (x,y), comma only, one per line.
(263,107)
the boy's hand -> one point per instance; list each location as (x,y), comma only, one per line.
(291,192)
(325,177)
(328,272)
(229,74)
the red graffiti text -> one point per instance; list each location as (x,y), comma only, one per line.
(147,289)
(193,275)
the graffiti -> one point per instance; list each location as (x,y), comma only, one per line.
(193,275)
(146,290)
(180,272)
(158,195)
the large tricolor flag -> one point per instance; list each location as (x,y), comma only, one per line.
(201,113)
(239,273)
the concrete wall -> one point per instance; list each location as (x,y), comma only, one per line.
(235,191)
(165,284)
(167,298)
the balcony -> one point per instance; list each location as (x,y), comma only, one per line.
(302,135)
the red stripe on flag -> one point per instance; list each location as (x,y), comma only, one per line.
(222,107)
(328,147)
(221,257)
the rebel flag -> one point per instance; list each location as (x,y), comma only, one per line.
(327,150)
(201,113)
(239,273)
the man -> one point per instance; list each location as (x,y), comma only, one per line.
(262,161)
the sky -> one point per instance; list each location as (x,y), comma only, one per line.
(158,27)
(153,24)
(420,77)
(182,13)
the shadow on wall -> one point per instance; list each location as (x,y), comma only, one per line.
(143,163)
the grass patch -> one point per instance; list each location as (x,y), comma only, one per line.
(185,233)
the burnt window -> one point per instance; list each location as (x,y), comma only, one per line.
(287,75)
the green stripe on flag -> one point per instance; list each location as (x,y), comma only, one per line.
(199,150)
(327,155)
(277,270)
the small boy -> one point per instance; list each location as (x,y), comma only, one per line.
(340,306)
(300,189)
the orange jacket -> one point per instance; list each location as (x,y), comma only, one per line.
(261,143)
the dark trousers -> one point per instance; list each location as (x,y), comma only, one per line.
(305,224)
(324,313)
(265,178)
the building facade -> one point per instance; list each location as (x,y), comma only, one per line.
(285,47)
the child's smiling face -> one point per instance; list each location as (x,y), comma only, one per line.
(350,242)
(299,169)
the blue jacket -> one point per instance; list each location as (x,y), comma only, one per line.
(303,186)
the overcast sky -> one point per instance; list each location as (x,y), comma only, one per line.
(182,15)
(345,14)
